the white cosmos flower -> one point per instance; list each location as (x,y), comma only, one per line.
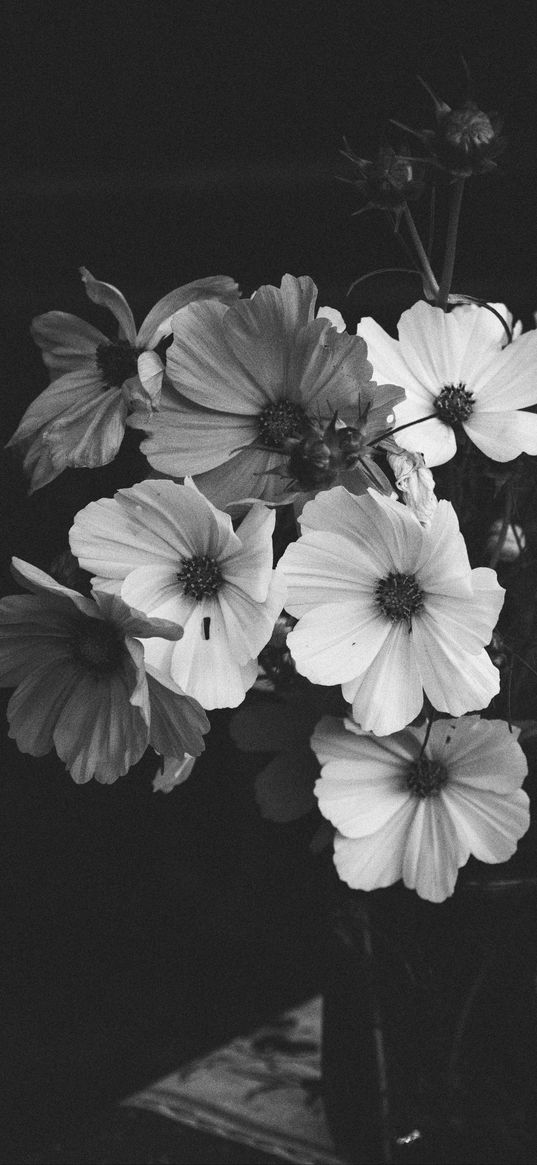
(456,368)
(81,685)
(416,811)
(79,420)
(169,546)
(390,609)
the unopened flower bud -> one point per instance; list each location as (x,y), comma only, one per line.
(415,482)
(389,181)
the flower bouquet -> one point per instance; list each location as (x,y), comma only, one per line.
(335,538)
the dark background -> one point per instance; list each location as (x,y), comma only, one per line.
(157,143)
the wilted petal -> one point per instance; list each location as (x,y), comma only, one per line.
(88,434)
(107,296)
(66,342)
(174,772)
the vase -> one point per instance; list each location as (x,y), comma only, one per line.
(429,1033)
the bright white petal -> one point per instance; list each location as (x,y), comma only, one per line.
(327,568)
(490,825)
(481,754)
(503,435)
(156,591)
(508,382)
(202,667)
(389,364)
(433,343)
(336,642)
(389,695)
(455,681)
(342,739)
(359,802)
(367,863)
(434,439)
(434,851)
(250,566)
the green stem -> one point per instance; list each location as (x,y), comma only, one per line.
(451,243)
(423,258)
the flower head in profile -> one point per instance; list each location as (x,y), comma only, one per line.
(390,609)
(388,181)
(415,807)
(458,375)
(248,380)
(170,547)
(80,419)
(77,665)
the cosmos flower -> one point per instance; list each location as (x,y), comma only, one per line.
(96,382)
(390,609)
(247,379)
(167,545)
(457,371)
(81,684)
(411,807)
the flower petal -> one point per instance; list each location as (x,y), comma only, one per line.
(434,851)
(107,296)
(66,342)
(454,680)
(183,439)
(158,323)
(88,434)
(334,643)
(203,366)
(433,344)
(389,695)
(368,863)
(503,435)
(481,754)
(491,825)
(178,723)
(389,364)
(203,668)
(100,733)
(508,381)
(250,566)
(37,703)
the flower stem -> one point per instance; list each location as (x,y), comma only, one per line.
(451,243)
(506,518)
(407,425)
(423,258)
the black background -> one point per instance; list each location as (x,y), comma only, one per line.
(157,143)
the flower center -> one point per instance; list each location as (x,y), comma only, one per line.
(117,362)
(399,596)
(201,577)
(425,778)
(99,646)
(454,404)
(279,421)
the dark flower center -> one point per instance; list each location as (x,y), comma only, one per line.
(454,404)
(201,577)
(117,362)
(399,597)
(279,421)
(425,778)
(99,646)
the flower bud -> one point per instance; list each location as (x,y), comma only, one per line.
(389,181)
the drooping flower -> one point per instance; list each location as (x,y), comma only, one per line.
(390,609)
(79,420)
(81,685)
(170,553)
(457,372)
(247,379)
(411,807)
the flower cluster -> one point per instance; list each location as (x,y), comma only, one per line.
(298,547)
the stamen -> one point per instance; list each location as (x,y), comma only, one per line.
(425,778)
(117,362)
(455,404)
(201,578)
(399,597)
(279,421)
(99,646)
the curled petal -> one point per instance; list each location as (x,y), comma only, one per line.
(107,296)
